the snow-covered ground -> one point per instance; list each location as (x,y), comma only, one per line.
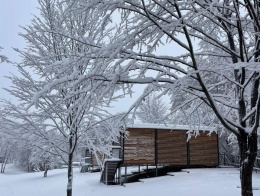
(198,182)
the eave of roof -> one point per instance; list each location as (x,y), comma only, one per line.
(170,127)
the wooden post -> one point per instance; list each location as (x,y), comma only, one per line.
(125,174)
(188,151)
(123,150)
(115,177)
(156,151)
(218,146)
(119,175)
(106,172)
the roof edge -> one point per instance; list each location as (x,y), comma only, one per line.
(171,127)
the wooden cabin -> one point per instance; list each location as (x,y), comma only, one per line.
(160,145)
(89,162)
(166,145)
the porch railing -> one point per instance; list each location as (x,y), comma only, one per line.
(234,160)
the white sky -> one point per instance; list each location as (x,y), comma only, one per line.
(13,13)
(16,13)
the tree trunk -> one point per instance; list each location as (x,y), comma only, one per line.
(248,152)
(70,176)
(46,168)
(70,169)
(2,168)
(246,178)
(3,165)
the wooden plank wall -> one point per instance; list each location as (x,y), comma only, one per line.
(204,150)
(172,147)
(139,147)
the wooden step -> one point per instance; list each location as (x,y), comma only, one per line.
(108,173)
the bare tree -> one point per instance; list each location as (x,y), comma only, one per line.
(2,57)
(66,110)
(220,37)
(152,110)
(7,148)
(197,37)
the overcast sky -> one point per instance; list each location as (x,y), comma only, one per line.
(16,13)
(13,13)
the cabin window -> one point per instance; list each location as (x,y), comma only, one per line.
(116,152)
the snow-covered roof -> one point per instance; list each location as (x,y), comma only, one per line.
(169,127)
